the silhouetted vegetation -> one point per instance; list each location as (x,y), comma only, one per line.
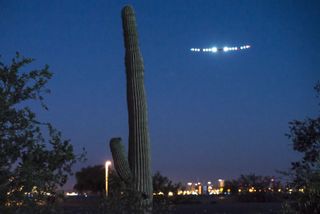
(164,184)
(305,173)
(91,179)
(252,183)
(34,158)
(255,188)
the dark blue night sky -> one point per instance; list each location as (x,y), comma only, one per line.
(211,115)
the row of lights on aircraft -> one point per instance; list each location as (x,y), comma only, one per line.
(225,49)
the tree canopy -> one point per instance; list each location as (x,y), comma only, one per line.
(305,173)
(92,179)
(257,182)
(34,158)
(164,184)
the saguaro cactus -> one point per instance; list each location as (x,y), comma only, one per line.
(136,170)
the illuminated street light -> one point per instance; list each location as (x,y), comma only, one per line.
(108,163)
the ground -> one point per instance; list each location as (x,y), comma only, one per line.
(90,205)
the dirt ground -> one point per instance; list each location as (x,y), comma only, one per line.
(230,208)
(91,206)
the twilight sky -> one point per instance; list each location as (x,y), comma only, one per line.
(210,115)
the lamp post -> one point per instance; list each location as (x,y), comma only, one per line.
(108,163)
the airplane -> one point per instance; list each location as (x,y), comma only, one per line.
(224,49)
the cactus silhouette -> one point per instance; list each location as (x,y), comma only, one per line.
(136,170)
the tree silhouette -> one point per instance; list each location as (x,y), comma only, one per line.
(29,162)
(305,173)
(92,179)
(164,184)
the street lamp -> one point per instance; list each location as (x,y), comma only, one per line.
(108,163)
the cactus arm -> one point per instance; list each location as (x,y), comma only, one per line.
(120,160)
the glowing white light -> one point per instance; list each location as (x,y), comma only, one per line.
(216,49)
(72,194)
(108,163)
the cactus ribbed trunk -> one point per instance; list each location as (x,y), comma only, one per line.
(138,174)
(139,146)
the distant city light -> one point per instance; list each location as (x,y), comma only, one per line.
(220,188)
